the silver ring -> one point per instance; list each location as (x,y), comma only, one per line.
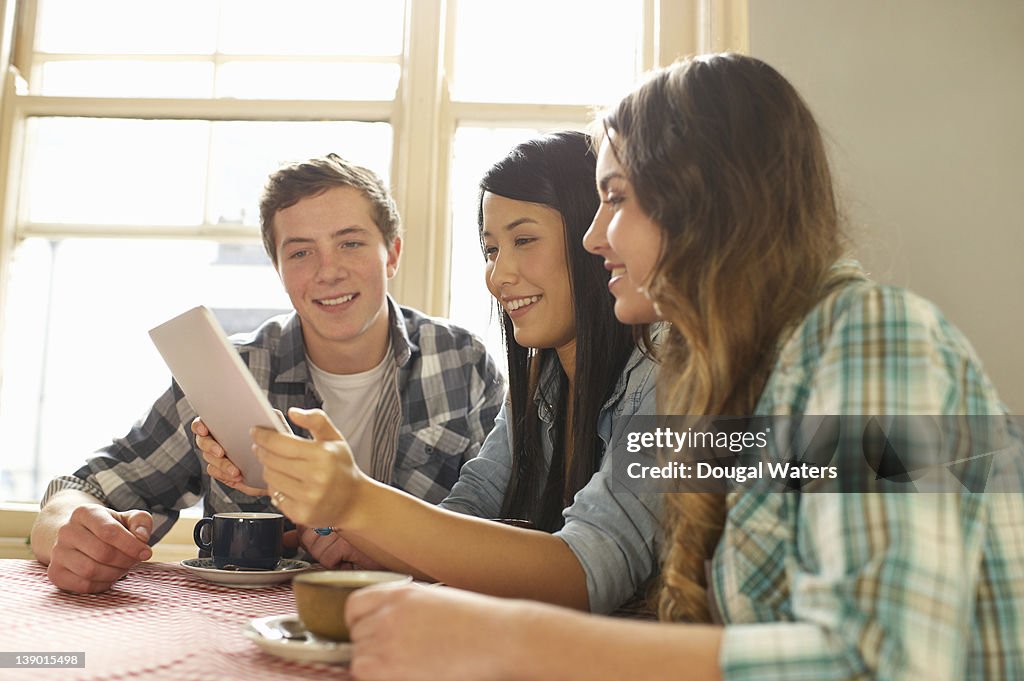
(276,498)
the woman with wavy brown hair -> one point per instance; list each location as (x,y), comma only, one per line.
(726,155)
(718,204)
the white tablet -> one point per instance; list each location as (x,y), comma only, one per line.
(218,385)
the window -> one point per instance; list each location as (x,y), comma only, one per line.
(136,138)
(586,61)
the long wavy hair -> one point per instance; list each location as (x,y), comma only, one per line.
(557,170)
(727,160)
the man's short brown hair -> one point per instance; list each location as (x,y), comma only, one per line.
(296,181)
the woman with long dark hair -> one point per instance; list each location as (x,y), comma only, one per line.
(566,332)
(576,376)
(717,203)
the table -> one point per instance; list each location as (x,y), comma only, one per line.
(159,622)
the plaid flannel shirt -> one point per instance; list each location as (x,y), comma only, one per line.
(882,585)
(442,396)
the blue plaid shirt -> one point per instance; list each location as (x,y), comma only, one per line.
(446,393)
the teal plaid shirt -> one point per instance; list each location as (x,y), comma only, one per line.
(873,586)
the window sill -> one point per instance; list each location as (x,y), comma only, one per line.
(16,521)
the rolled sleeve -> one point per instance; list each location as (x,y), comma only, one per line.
(614,530)
(789,651)
(614,536)
(893,605)
(66,482)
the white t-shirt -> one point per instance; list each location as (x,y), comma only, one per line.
(350,400)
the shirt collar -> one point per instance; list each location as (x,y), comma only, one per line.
(402,344)
(548,389)
(292,351)
(547,392)
(657,332)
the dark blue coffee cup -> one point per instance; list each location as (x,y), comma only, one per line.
(246,540)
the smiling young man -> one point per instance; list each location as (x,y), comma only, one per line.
(414,396)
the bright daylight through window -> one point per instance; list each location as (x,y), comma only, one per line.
(139,136)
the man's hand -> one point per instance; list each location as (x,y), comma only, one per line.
(218,465)
(97,546)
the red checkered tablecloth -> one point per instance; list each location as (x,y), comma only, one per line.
(159,622)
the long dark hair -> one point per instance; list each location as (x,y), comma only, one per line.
(557,170)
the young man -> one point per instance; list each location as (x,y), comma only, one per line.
(415,395)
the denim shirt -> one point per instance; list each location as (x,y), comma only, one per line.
(615,535)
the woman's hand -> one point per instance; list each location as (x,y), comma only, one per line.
(415,632)
(218,465)
(313,482)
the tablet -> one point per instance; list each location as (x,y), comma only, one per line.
(219,386)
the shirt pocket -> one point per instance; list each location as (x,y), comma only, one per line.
(443,440)
(436,450)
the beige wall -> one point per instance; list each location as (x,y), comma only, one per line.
(923,102)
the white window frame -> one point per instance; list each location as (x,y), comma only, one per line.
(671,29)
(422,143)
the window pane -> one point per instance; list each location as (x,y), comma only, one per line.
(571,51)
(307,80)
(116,171)
(127,26)
(131,172)
(245,153)
(99,78)
(24,319)
(79,372)
(470,303)
(312,27)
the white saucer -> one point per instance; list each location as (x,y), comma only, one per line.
(204,568)
(266,632)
